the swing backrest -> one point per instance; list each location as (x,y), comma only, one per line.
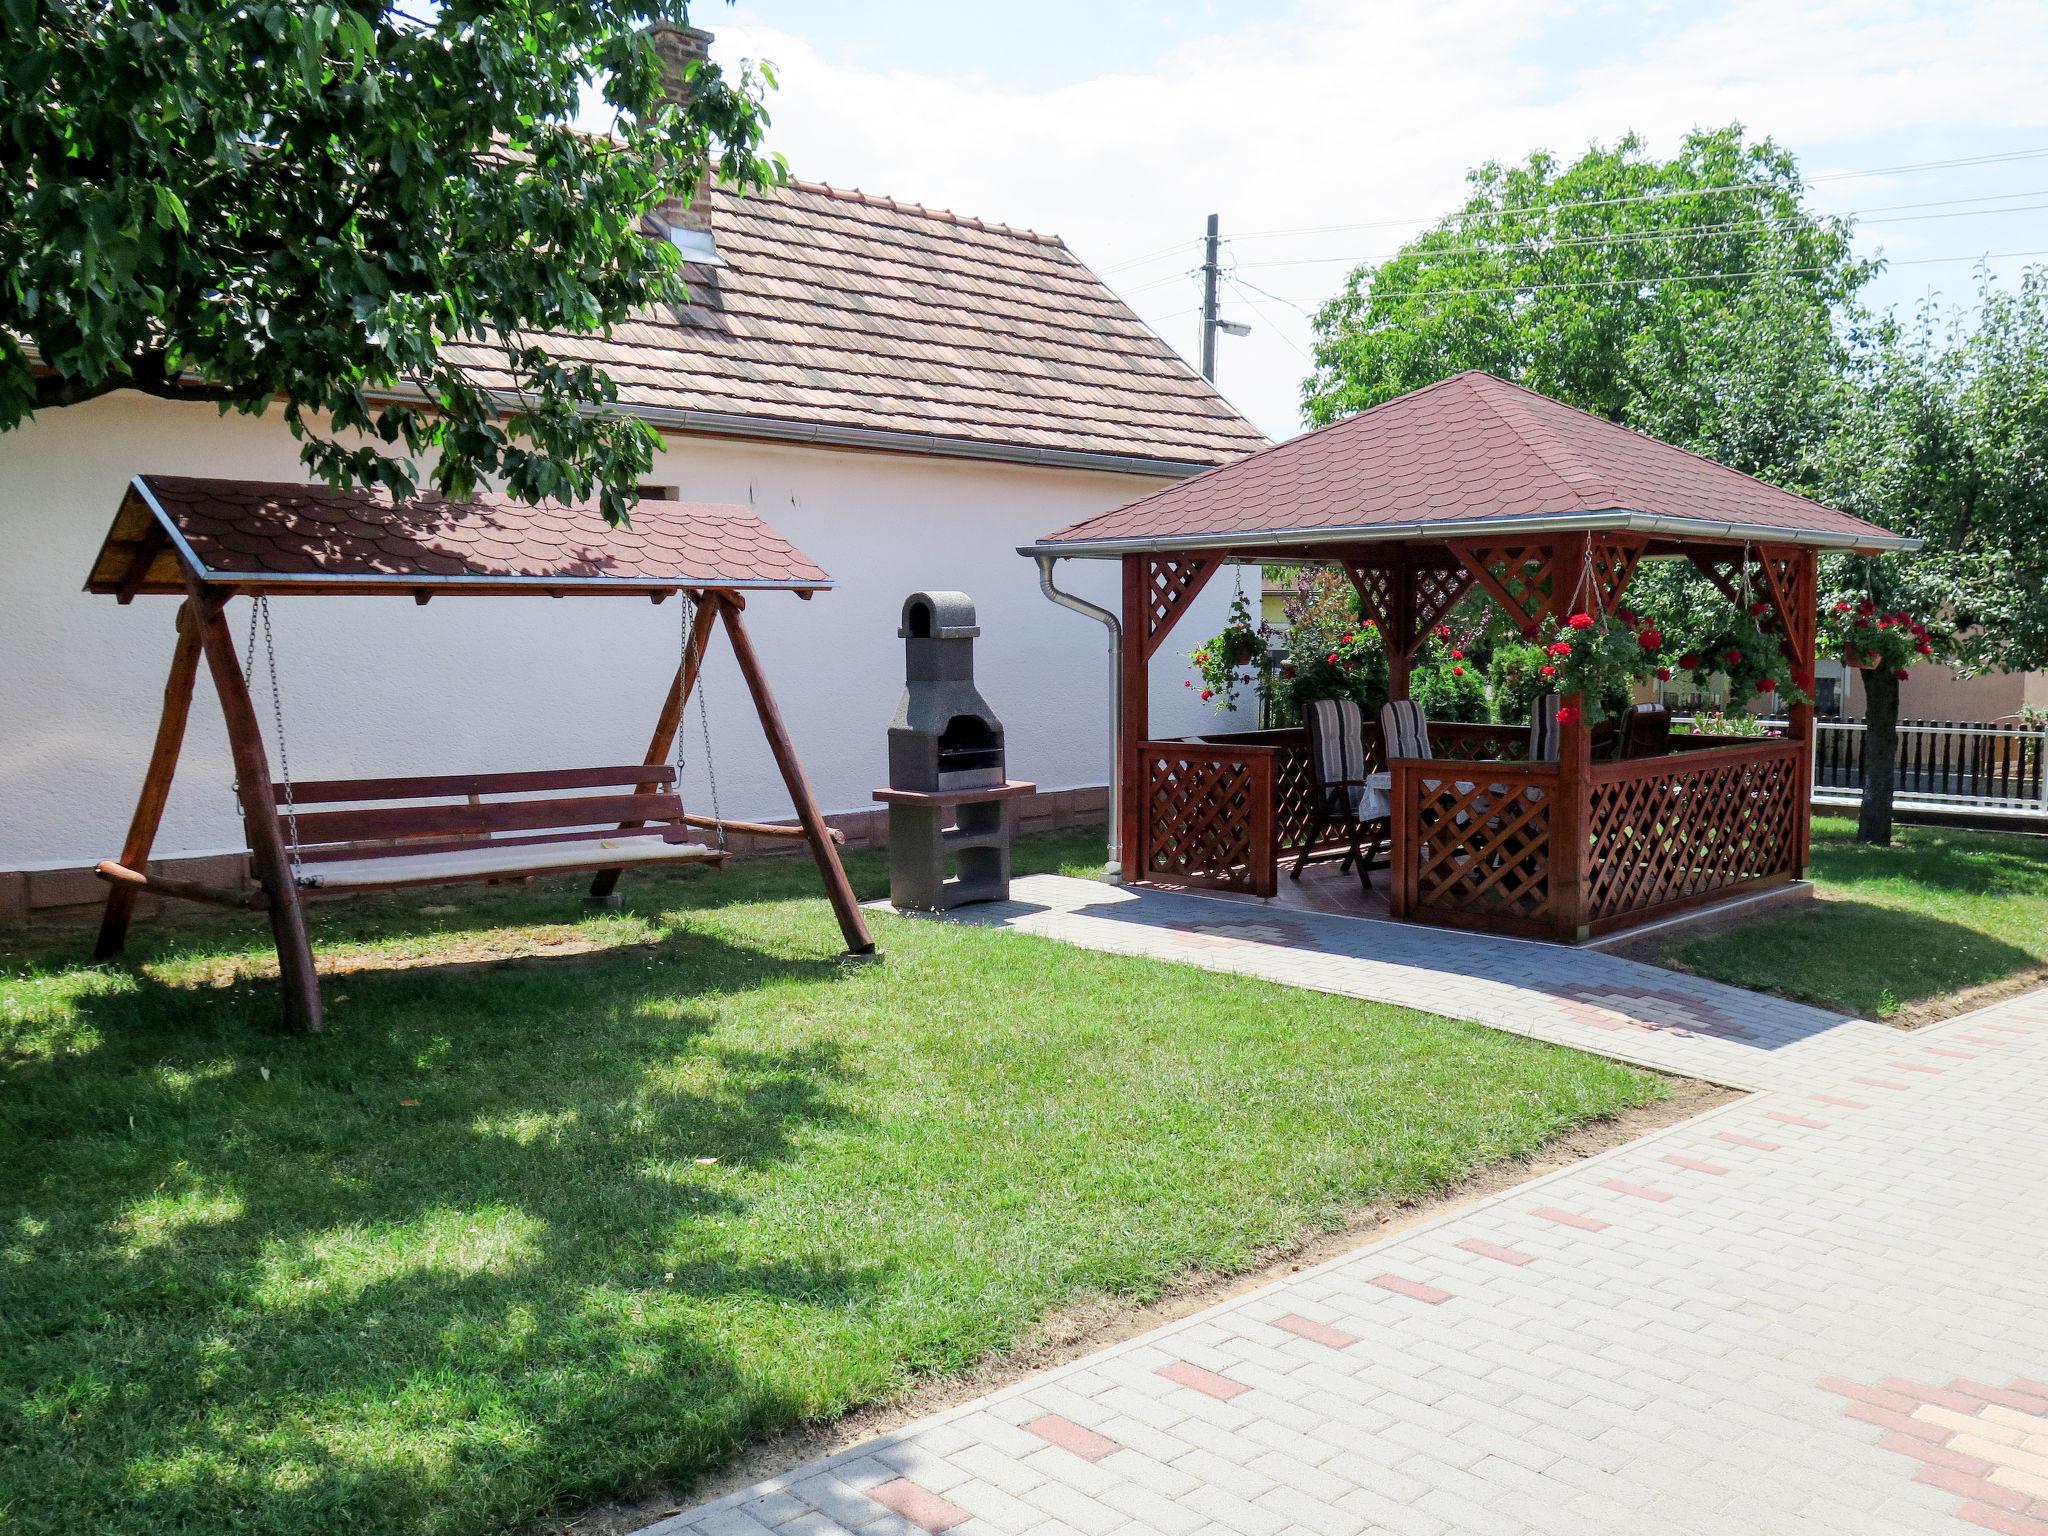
(337,819)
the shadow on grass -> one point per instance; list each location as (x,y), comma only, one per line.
(459,1258)
(1859,956)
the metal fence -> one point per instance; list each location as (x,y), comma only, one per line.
(1990,767)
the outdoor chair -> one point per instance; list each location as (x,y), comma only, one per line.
(1645,732)
(1543,747)
(1343,799)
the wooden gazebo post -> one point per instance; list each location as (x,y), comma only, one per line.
(1157,589)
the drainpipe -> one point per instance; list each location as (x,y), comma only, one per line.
(1109,622)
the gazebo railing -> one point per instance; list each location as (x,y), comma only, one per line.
(1664,833)
(1476,852)
(1206,814)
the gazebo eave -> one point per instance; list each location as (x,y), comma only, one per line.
(1617,519)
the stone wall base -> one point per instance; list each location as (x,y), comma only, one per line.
(74,895)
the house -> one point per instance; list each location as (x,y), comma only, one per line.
(908,394)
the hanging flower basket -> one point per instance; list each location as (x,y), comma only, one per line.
(1230,660)
(1740,645)
(1599,656)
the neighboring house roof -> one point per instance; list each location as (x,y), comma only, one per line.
(1472,454)
(841,317)
(256,536)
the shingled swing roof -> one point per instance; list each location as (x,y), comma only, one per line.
(258,536)
(843,317)
(1472,454)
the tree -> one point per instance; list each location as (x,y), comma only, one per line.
(309,204)
(1948,441)
(1622,284)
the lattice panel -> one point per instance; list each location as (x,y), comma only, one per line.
(1483,848)
(1784,580)
(1613,566)
(1171,583)
(1458,742)
(1379,593)
(1521,578)
(1435,591)
(1671,830)
(1207,818)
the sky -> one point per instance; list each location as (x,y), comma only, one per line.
(1325,133)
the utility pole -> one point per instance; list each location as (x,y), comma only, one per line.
(1209,274)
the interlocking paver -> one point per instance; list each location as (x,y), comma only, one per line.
(1827,1323)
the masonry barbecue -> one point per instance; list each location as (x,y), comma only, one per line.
(946,763)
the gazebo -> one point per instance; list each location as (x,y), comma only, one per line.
(1472,482)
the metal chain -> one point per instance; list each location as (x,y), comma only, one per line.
(260,611)
(710,763)
(689,616)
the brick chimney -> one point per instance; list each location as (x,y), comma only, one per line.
(679,48)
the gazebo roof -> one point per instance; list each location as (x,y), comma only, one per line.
(257,536)
(1471,455)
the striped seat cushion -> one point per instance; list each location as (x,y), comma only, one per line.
(1336,738)
(1543,727)
(1404,728)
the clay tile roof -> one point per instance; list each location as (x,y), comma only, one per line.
(1470,450)
(253,533)
(840,310)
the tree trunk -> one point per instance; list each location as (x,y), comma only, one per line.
(1880,755)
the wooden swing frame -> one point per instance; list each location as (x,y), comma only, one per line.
(152,549)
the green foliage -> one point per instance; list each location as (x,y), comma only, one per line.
(1549,277)
(310,204)
(1333,652)
(1447,689)
(566,1204)
(1232,659)
(1601,657)
(1516,680)
(1734,643)
(1949,441)
(1870,640)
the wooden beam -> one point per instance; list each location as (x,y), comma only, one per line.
(838,889)
(297,978)
(1136,724)
(156,782)
(122,878)
(669,720)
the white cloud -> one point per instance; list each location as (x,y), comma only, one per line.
(1338,114)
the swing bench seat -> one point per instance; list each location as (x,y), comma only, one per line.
(375,834)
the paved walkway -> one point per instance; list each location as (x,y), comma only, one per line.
(1817,1309)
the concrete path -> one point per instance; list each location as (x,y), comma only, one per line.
(1817,1309)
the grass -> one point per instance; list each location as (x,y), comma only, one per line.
(1938,913)
(538,1227)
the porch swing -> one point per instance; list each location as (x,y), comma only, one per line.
(213,540)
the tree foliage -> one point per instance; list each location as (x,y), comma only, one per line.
(1695,298)
(309,204)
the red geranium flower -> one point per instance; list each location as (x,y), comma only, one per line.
(1841,607)
(1457,671)
(1651,639)
(1345,639)
(1767,685)
(1758,609)
(1902,674)
(1580,621)
(1208,693)
(1457,655)
(1733,658)
(1443,631)
(1548,671)
(1568,714)
(1333,658)
(1560,647)
(1866,606)
(1663,674)
(1529,631)
(1689,660)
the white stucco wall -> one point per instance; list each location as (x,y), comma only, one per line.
(382,686)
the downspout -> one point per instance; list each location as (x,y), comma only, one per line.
(1109,622)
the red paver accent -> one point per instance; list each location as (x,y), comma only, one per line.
(1981,1040)
(1486,1250)
(1413,1288)
(1069,1436)
(2028,1384)
(1697,1165)
(2025,1402)
(1570,1219)
(1884,1418)
(1879,1082)
(1917,1066)
(2004,1521)
(1954,1401)
(920,1506)
(1935,1455)
(1735,1139)
(1898,1402)
(1315,1332)
(1639,1191)
(1980,1489)
(1942,1050)
(1188,1374)
(1785,1117)
(1838,1100)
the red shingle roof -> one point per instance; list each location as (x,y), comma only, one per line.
(255,534)
(838,310)
(1471,449)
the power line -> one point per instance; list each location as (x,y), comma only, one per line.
(1270,322)
(1639,237)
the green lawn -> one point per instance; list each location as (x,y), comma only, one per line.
(515,1235)
(1938,912)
